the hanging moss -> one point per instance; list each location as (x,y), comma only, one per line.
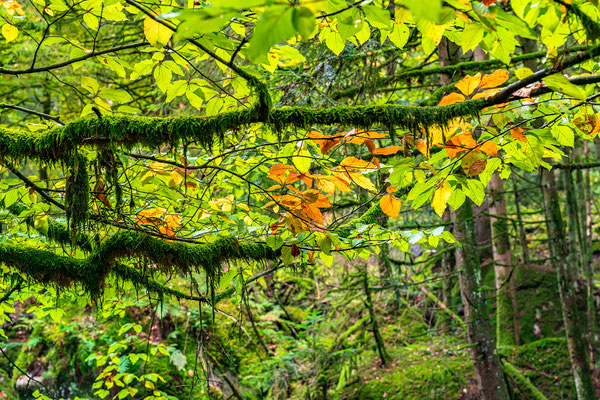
(55,231)
(592,28)
(77,194)
(109,162)
(130,274)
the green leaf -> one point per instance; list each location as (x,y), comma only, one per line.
(274,241)
(274,26)
(426,9)
(564,135)
(178,360)
(118,95)
(560,83)
(163,76)
(304,21)
(378,17)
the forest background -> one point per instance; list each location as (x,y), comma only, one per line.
(310,199)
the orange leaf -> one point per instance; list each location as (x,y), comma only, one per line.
(390,205)
(101,194)
(495,79)
(325,142)
(312,212)
(468,84)
(390,189)
(460,142)
(376,162)
(451,99)
(370,145)
(477,167)
(355,163)
(387,150)
(277,172)
(517,133)
(488,147)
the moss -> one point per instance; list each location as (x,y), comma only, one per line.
(55,231)
(426,372)
(77,195)
(49,268)
(58,143)
(546,364)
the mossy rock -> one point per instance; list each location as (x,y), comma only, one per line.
(546,364)
(416,372)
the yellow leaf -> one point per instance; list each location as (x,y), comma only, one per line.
(10,32)
(176,179)
(485,94)
(390,205)
(157,34)
(441,197)
(523,73)
(360,180)
(468,84)
(495,79)
(451,99)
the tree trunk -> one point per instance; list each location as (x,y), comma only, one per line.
(488,371)
(374,326)
(565,265)
(506,301)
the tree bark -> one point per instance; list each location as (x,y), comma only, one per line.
(488,371)
(507,331)
(565,264)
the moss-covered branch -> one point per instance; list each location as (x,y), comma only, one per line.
(523,381)
(49,268)
(58,142)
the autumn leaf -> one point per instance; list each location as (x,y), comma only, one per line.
(451,99)
(469,159)
(100,194)
(312,212)
(462,141)
(172,222)
(157,34)
(150,216)
(277,172)
(517,133)
(440,198)
(390,205)
(588,124)
(488,147)
(325,142)
(355,163)
(485,94)
(493,80)
(387,150)
(468,84)
(477,167)
(358,179)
